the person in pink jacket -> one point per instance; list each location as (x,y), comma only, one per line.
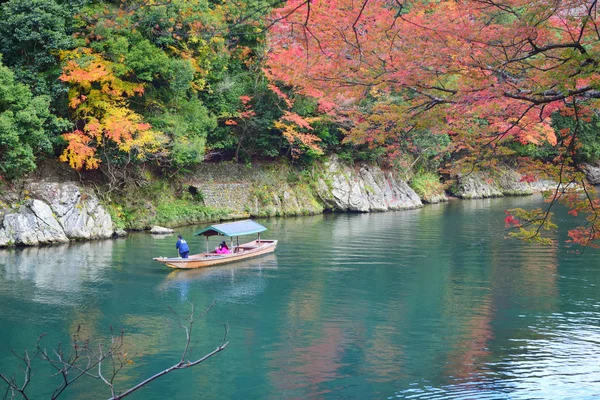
(222,248)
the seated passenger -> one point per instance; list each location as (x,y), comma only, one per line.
(222,248)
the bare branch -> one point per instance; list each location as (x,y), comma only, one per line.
(182,364)
(81,359)
(13,387)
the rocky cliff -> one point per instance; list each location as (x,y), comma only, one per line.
(480,185)
(47,213)
(270,190)
(365,188)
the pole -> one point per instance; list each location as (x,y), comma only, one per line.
(259,238)
(206,244)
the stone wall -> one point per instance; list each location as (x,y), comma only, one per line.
(275,189)
(252,190)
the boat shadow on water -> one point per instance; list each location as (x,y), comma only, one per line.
(266,262)
(233,282)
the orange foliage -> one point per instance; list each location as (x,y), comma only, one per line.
(486,73)
(509,64)
(293,128)
(98,99)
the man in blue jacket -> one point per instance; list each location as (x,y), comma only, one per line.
(183,247)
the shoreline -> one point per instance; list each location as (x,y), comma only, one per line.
(233,218)
(40,212)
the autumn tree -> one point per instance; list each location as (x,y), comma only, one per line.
(143,64)
(486,73)
(99,100)
(187,62)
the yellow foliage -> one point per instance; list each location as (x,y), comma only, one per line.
(291,126)
(99,100)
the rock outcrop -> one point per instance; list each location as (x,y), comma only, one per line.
(503,183)
(51,213)
(435,198)
(592,172)
(262,191)
(120,233)
(159,230)
(364,189)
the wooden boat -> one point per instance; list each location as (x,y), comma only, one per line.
(239,251)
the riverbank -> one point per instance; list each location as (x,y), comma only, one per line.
(54,209)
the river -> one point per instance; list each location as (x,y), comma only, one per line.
(424,304)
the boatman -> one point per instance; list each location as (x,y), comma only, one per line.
(183,247)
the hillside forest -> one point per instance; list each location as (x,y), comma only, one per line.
(428,88)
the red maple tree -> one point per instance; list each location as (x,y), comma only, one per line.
(485,72)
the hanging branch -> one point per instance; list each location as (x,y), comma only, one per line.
(83,359)
(13,387)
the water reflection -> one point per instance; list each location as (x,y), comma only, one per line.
(238,280)
(309,366)
(57,274)
(427,303)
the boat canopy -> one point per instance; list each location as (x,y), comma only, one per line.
(238,228)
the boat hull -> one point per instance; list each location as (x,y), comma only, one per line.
(247,250)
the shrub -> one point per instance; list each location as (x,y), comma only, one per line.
(426,185)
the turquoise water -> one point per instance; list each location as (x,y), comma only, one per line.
(425,304)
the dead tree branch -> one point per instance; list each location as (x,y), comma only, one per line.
(102,362)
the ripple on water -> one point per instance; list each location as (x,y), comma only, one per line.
(423,304)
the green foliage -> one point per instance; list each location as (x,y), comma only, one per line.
(117,215)
(180,76)
(32,33)
(264,193)
(588,134)
(426,185)
(254,136)
(187,123)
(304,106)
(182,212)
(23,119)
(159,202)
(137,56)
(534,151)
(352,154)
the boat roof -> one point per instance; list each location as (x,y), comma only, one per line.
(237,228)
